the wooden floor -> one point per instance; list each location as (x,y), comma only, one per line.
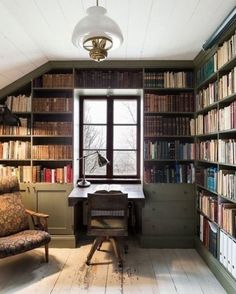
(147,271)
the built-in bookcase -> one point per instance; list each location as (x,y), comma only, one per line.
(169,149)
(216,152)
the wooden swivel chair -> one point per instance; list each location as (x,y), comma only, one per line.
(107,220)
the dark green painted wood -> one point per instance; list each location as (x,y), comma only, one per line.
(218,270)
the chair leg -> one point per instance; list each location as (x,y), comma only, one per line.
(96,243)
(116,248)
(46,252)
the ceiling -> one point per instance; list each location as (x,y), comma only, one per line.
(33,32)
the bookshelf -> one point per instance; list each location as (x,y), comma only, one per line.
(169,149)
(215,152)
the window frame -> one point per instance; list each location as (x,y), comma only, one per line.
(110,124)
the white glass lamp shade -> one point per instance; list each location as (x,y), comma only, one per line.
(97,24)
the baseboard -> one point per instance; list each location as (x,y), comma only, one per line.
(63,241)
(223,276)
(149,241)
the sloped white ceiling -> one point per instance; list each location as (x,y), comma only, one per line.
(35,31)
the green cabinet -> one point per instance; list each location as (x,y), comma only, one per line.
(52,199)
(168,216)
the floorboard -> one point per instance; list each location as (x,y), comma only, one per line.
(145,271)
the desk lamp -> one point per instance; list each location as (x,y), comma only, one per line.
(102,161)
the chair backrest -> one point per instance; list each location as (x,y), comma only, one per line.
(13,218)
(107,214)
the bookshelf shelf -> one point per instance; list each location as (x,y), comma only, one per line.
(208,80)
(156,89)
(53,89)
(206,216)
(206,189)
(227,99)
(52,136)
(168,160)
(169,136)
(227,198)
(207,161)
(52,160)
(207,108)
(172,113)
(228,65)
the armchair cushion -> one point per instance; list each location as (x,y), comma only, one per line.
(13,218)
(22,241)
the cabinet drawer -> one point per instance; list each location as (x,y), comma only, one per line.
(173,209)
(168,227)
(178,192)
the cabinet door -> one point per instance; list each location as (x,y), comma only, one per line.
(52,199)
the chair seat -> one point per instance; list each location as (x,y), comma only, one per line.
(107,223)
(22,241)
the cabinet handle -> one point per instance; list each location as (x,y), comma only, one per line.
(28,189)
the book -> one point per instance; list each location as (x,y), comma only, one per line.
(108,188)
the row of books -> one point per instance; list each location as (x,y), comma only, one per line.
(109,79)
(208,205)
(207,69)
(207,177)
(20,103)
(23,130)
(226,51)
(207,96)
(227,84)
(52,128)
(55,104)
(207,150)
(227,151)
(29,174)
(183,102)
(226,184)
(168,150)
(208,235)
(176,173)
(223,151)
(227,117)
(227,254)
(167,79)
(52,152)
(160,125)
(60,80)
(207,123)
(226,217)
(62,175)
(15,150)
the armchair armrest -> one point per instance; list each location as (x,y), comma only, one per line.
(39,220)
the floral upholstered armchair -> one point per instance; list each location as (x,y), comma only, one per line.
(15,235)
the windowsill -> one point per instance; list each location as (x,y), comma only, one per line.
(113,181)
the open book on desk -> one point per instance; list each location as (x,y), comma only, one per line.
(108,188)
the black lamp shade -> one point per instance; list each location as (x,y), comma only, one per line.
(102,160)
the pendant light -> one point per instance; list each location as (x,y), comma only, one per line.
(97,33)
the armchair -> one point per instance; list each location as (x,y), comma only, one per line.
(15,235)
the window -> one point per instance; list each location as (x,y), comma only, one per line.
(111,125)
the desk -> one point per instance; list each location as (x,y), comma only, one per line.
(134,191)
(135,197)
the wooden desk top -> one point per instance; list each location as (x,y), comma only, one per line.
(135,193)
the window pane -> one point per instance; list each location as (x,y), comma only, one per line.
(95,137)
(125,111)
(95,111)
(91,164)
(125,137)
(124,163)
